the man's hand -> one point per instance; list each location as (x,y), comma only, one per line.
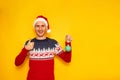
(68,38)
(29,45)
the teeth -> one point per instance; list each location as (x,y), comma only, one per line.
(40,31)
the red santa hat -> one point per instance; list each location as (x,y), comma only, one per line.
(43,19)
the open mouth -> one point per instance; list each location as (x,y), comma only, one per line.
(40,31)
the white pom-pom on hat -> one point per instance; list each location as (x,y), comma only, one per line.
(48,31)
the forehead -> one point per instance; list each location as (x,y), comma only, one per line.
(40,23)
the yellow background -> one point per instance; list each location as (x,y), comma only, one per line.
(93,24)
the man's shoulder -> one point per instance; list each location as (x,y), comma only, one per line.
(49,40)
(52,40)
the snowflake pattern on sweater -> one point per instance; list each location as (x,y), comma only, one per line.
(44,49)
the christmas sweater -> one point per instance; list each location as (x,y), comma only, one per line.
(41,58)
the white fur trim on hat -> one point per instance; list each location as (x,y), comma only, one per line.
(42,20)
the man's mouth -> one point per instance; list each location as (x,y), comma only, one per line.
(40,31)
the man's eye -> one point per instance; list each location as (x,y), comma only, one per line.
(42,25)
(37,26)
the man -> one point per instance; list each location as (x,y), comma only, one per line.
(41,51)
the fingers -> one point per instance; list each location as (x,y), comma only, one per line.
(68,38)
(29,45)
(30,42)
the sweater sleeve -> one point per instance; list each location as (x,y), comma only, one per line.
(21,57)
(66,56)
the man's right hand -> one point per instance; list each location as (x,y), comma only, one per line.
(29,45)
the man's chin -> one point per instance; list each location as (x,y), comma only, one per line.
(40,35)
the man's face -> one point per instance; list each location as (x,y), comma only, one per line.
(40,28)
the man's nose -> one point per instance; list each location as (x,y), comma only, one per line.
(40,27)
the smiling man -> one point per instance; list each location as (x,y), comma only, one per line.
(41,51)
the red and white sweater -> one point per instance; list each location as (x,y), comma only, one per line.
(41,58)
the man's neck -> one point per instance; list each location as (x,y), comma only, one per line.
(41,38)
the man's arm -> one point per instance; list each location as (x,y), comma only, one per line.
(21,57)
(66,55)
